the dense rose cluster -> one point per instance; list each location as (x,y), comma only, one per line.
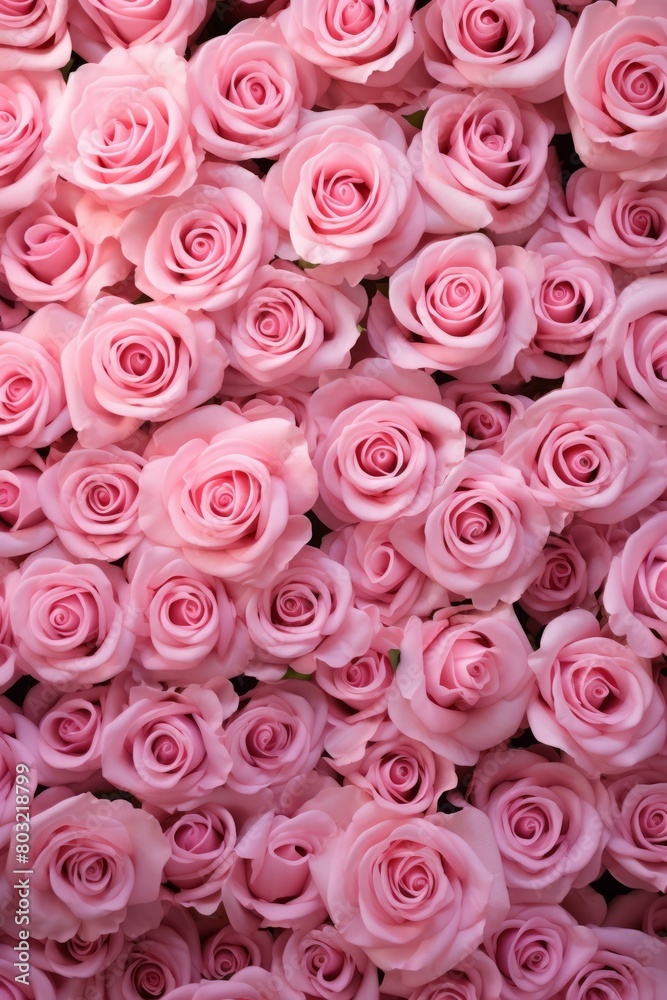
(333,499)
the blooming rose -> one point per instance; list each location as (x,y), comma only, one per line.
(96,26)
(636,853)
(596,699)
(459,306)
(627,963)
(14,751)
(484,412)
(615,80)
(344,195)
(381,442)
(28,104)
(24,527)
(634,595)
(475,978)
(133,363)
(324,965)
(34,36)
(548,819)
(403,775)
(417,894)
(201,842)
(228,951)
(480,161)
(247,984)
(454,674)
(230,492)
(38,985)
(77,959)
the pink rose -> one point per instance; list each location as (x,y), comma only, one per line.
(14,751)
(460,306)
(38,986)
(484,412)
(247,984)
(615,83)
(203,247)
(47,259)
(99,25)
(167,746)
(417,894)
(97,866)
(202,841)
(596,699)
(518,46)
(77,959)
(344,196)
(230,492)
(463,682)
(247,89)
(403,776)
(28,104)
(68,619)
(475,978)
(548,819)
(324,965)
(627,963)
(482,533)
(24,527)
(480,161)
(228,951)
(91,498)
(185,623)
(381,441)
(636,854)
(634,595)
(33,35)
(580,453)
(289,326)
(134,363)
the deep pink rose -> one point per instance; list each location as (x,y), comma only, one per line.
(227,951)
(202,841)
(484,412)
(549,821)
(230,492)
(133,363)
(33,35)
(96,26)
(344,196)
(28,104)
(475,978)
(24,527)
(596,699)
(324,965)
(404,775)
(616,86)
(635,597)
(463,681)
(480,161)
(636,853)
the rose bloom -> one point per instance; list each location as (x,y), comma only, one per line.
(14,751)
(96,26)
(616,81)
(24,527)
(627,963)
(484,412)
(596,699)
(289,326)
(247,984)
(344,196)
(247,89)
(135,363)
(518,46)
(459,306)
(203,247)
(324,965)
(227,951)
(381,442)
(202,841)
(475,978)
(480,161)
(34,36)
(640,909)
(636,853)
(454,675)
(548,819)
(481,535)
(38,986)
(77,959)
(230,492)
(634,595)
(417,894)
(97,866)
(167,746)
(579,452)
(28,104)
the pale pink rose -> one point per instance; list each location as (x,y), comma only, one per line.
(68,619)
(91,498)
(46,258)
(202,841)
(97,866)
(596,699)
(538,949)
(642,910)
(9,669)
(404,776)
(627,963)
(463,681)
(518,46)
(12,310)
(636,854)
(634,595)
(615,81)
(482,534)
(202,248)
(33,408)
(307,615)
(480,161)
(24,527)
(381,442)
(324,965)
(460,306)
(549,822)
(28,104)
(14,751)
(475,978)
(484,412)
(77,959)
(270,882)
(289,326)
(122,133)
(417,894)
(185,623)
(247,984)
(167,747)
(33,35)
(247,89)
(230,492)
(227,951)
(344,196)
(38,985)
(95,26)
(277,735)
(368,41)
(580,453)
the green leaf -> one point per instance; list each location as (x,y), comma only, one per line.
(305,265)
(394,657)
(416,118)
(291,675)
